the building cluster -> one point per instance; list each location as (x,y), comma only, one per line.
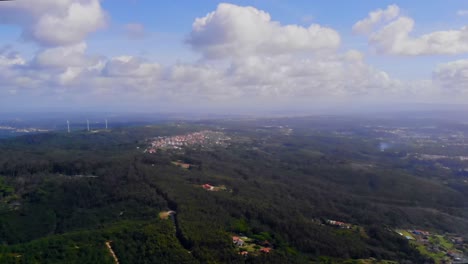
(248,245)
(208,187)
(449,248)
(421,136)
(203,138)
(237,241)
(339,224)
(421,232)
(212,188)
(438,157)
(23,130)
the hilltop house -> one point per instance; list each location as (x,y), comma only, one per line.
(237,241)
(339,224)
(421,232)
(208,187)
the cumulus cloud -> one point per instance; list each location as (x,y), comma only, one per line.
(54,22)
(14,73)
(233,30)
(366,25)
(259,77)
(453,76)
(262,60)
(395,37)
(129,66)
(73,55)
(283,77)
(8,57)
(135,31)
(268,61)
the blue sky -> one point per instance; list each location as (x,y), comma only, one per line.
(169,24)
(167,18)
(97,52)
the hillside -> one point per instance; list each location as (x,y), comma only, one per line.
(291,190)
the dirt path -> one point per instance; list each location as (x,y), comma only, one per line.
(108,245)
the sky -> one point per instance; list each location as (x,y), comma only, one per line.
(144,55)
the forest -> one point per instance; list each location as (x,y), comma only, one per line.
(65,196)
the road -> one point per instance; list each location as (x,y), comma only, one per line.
(109,247)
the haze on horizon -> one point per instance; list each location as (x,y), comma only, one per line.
(137,55)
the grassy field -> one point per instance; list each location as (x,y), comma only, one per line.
(437,257)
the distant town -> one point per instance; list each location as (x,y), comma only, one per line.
(205,138)
(23,130)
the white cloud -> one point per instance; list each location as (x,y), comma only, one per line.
(395,37)
(129,66)
(10,58)
(69,75)
(366,25)
(268,61)
(240,31)
(282,77)
(199,82)
(453,76)
(73,55)
(54,22)
(251,78)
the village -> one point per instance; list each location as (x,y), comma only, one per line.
(251,246)
(443,249)
(23,130)
(258,244)
(339,224)
(205,138)
(447,248)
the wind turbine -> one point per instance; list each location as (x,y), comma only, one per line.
(106,124)
(68,125)
(87,124)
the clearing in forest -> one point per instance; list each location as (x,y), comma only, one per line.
(165,214)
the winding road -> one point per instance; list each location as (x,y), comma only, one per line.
(109,247)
